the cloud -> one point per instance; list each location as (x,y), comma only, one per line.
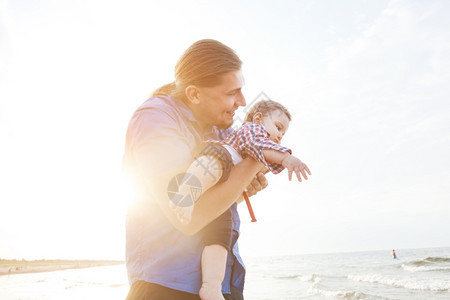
(387,83)
(374,127)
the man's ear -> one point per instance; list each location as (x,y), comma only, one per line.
(192,94)
(257,117)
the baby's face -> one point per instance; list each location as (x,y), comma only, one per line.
(276,123)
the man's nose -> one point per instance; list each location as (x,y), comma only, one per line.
(240,99)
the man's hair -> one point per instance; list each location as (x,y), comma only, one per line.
(202,64)
(266,107)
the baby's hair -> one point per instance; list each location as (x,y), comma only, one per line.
(265,107)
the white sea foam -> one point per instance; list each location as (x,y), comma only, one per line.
(411,268)
(315,290)
(407,283)
(428,264)
(311,278)
(375,276)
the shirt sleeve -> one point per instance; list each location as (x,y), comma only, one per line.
(154,144)
(252,138)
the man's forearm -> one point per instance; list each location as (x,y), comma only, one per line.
(220,197)
(213,202)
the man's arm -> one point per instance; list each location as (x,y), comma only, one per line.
(159,153)
(213,202)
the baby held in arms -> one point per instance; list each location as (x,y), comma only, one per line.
(260,136)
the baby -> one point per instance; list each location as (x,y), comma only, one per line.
(266,123)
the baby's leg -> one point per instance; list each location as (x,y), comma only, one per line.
(214,259)
(201,175)
(216,237)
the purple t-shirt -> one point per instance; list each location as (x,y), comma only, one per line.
(160,137)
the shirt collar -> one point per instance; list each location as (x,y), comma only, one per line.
(209,133)
(182,108)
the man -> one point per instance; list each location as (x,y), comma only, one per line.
(163,255)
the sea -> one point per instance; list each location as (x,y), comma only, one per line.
(416,274)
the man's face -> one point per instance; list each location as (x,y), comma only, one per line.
(218,104)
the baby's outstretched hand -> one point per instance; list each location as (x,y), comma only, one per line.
(293,164)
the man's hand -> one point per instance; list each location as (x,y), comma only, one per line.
(259,183)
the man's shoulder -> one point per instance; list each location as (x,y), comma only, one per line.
(161,103)
(166,108)
(155,113)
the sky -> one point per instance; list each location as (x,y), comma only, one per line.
(365,81)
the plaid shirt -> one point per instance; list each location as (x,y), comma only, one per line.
(250,139)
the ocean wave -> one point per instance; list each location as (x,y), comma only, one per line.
(305,278)
(311,278)
(353,295)
(407,283)
(413,269)
(427,264)
(429,261)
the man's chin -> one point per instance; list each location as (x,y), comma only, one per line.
(224,125)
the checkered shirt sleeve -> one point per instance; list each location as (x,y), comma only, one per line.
(250,139)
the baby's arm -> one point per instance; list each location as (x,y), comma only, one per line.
(289,161)
(252,139)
